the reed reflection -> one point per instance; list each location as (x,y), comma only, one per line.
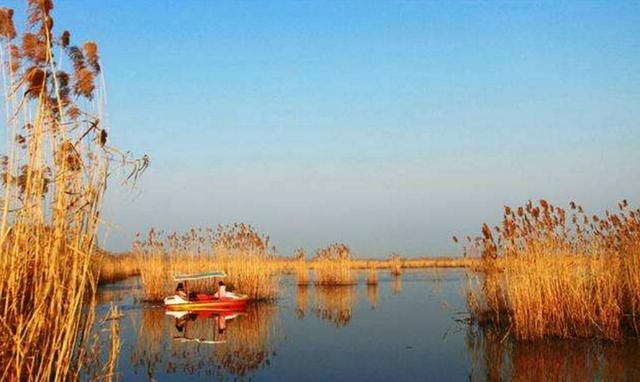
(335,304)
(396,284)
(302,300)
(496,358)
(372,295)
(218,344)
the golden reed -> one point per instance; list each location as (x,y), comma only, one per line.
(551,272)
(54,175)
(246,256)
(332,265)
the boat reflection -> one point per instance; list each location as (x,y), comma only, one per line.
(335,303)
(218,328)
(497,358)
(218,344)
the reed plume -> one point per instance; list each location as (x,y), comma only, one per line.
(549,272)
(332,265)
(54,177)
(246,256)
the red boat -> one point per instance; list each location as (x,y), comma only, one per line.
(221,301)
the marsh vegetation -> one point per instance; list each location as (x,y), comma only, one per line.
(551,272)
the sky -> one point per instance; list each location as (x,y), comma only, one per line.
(389,126)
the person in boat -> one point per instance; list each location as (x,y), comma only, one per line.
(222,290)
(180,291)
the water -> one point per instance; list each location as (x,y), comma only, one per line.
(405,329)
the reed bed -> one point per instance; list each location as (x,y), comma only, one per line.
(550,272)
(113,268)
(243,254)
(332,265)
(54,175)
(395,265)
(414,263)
(301,268)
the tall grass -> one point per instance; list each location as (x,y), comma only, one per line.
(332,265)
(301,268)
(243,254)
(112,268)
(54,176)
(550,272)
(395,265)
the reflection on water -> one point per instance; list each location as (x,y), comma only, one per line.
(496,358)
(302,299)
(398,328)
(334,304)
(118,292)
(372,295)
(204,343)
(396,284)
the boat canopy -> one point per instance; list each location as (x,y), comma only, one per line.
(199,276)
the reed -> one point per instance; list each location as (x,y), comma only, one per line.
(112,268)
(395,265)
(301,268)
(549,272)
(413,263)
(54,175)
(243,254)
(332,265)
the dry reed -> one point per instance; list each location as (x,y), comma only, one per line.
(243,254)
(332,265)
(114,268)
(54,176)
(301,268)
(549,272)
(395,265)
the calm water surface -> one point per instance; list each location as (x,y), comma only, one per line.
(405,329)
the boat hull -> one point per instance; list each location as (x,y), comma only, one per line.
(209,306)
(177,303)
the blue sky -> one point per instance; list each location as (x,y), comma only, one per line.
(386,125)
